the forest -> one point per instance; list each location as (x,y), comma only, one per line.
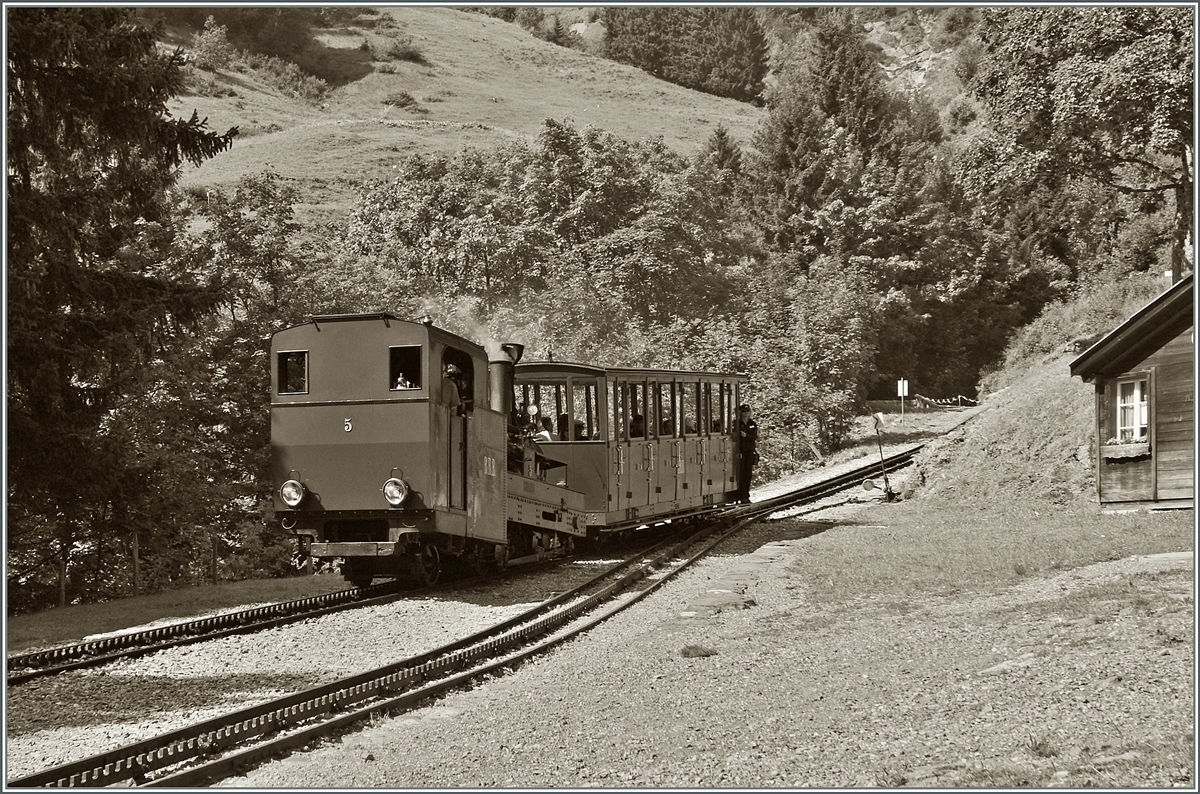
(859,238)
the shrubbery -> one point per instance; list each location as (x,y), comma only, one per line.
(287,77)
(405,101)
(212,48)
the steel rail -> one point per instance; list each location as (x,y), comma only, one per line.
(834,484)
(203,740)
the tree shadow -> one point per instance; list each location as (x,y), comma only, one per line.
(112,699)
(337,66)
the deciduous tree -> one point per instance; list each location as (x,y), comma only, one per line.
(1103,93)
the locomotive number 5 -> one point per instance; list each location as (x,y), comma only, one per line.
(349,425)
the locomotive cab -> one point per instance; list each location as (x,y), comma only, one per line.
(378,427)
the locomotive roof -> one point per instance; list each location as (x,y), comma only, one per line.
(571,368)
(388,318)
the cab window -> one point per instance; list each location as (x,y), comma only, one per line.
(293,372)
(404,368)
(458,369)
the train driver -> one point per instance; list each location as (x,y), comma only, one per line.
(450,394)
(747,454)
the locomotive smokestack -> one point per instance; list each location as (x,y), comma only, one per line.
(500,375)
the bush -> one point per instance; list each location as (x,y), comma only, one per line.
(405,50)
(212,48)
(404,100)
(961,114)
(288,77)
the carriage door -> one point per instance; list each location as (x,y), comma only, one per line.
(674,462)
(692,470)
(727,421)
(641,462)
(619,494)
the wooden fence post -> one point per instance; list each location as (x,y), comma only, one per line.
(62,573)
(137,567)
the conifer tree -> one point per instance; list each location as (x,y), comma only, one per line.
(732,51)
(91,151)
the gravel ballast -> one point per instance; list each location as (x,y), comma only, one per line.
(962,690)
(934,692)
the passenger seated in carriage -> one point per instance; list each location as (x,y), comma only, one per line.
(637,427)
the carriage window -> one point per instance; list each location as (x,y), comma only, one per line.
(404,367)
(584,408)
(550,397)
(706,412)
(637,410)
(651,410)
(666,408)
(718,415)
(1132,410)
(620,397)
(688,406)
(293,372)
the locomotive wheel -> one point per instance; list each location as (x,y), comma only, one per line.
(430,564)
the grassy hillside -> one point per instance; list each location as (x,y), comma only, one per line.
(1035,440)
(478,82)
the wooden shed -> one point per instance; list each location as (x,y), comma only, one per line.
(1145,397)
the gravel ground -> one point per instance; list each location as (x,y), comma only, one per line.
(965,690)
(1019,688)
(73,715)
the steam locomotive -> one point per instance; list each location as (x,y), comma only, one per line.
(404,449)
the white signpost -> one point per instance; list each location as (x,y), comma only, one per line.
(902,391)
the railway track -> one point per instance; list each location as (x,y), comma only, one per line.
(224,746)
(25,667)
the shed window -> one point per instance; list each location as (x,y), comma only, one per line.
(1132,409)
(404,367)
(293,372)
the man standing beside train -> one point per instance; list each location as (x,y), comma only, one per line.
(747,454)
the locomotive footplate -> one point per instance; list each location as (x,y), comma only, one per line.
(356,549)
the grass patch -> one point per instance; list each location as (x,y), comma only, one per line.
(1041,746)
(940,546)
(73,623)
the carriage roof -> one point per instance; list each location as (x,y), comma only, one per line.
(553,368)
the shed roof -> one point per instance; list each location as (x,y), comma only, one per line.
(1131,342)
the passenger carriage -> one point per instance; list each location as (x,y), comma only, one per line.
(639,444)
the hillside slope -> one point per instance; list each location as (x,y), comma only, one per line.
(1035,439)
(482,82)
